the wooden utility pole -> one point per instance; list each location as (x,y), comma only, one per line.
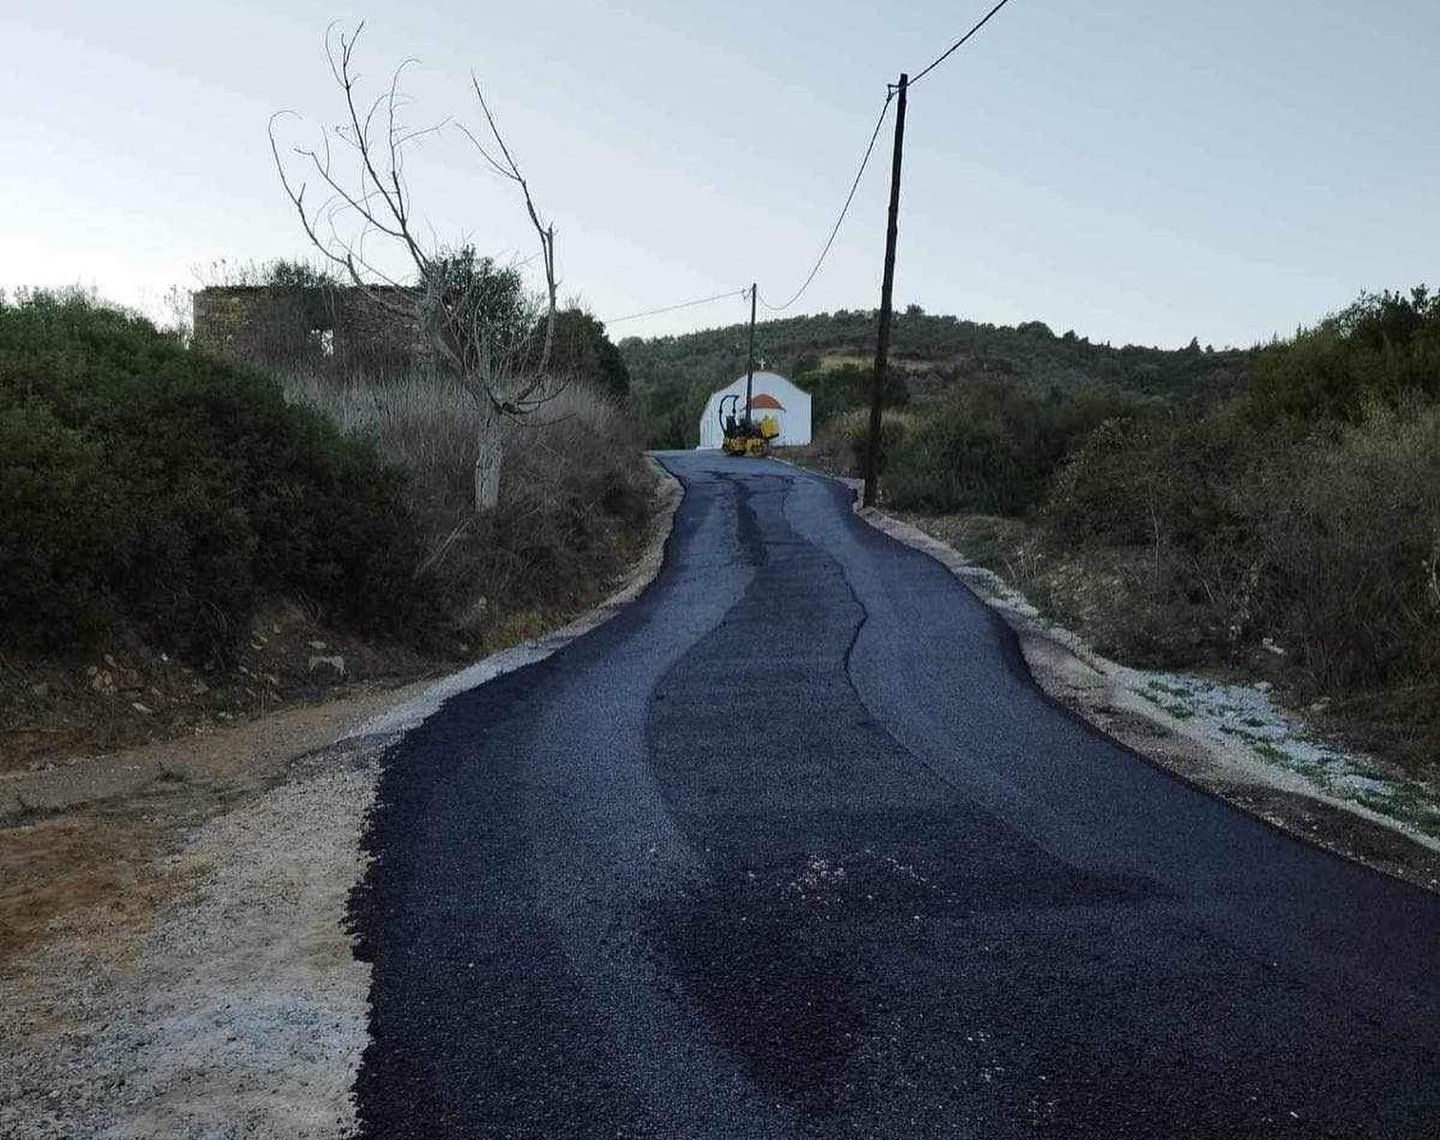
(750,359)
(887,290)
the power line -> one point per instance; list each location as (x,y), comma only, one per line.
(681,305)
(835,230)
(958,44)
(819,261)
(849,198)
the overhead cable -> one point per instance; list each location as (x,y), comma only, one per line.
(849,198)
(834,230)
(957,45)
(681,305)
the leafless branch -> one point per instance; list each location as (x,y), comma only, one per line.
(367,201)
(546,233)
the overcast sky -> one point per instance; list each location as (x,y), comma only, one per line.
(1139,171)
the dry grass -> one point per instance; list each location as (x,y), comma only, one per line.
(575,492)
(425,427)
(56,872)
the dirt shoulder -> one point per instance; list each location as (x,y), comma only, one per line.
(182,968)
(126,695)
(1225,734)
(174,959)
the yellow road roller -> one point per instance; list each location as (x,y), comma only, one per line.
(741,433)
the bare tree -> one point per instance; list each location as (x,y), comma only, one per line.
(359,167)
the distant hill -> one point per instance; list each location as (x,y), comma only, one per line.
(830,354)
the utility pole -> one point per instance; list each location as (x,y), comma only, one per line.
(887,290)
(750,360)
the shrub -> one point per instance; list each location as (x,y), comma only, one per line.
(1346,532)
(584,353)
(573,500)
(994,448)
(1379,348)
(835,391)
(56,525)
(852,430)
(1327,544)
(1149,479)
(1162,489)
(150,485)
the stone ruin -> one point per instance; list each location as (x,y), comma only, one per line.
(334,329)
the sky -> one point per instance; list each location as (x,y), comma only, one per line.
(1139,172)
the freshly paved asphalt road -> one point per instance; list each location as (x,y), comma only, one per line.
(793,847)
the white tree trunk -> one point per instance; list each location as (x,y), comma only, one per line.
(490,435)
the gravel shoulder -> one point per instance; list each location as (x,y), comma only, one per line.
(174,953)
(229,1004)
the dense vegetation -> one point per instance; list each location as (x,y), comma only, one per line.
(1307,510)
(1298,519)
(672,376)
(583,352)
(149,490)
(144,485)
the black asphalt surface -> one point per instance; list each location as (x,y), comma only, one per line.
(793,847)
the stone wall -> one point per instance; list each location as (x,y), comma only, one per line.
(330,328)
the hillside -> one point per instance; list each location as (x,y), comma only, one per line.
(829,354)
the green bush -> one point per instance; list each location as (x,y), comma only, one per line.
(992,447)
(149,485)
(584,354)
(57,525)
(1380,348)
(1346,539)
(671,418)
(1155,478)
(1327,544)
(853,430)
(1161,489)
(835,391)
